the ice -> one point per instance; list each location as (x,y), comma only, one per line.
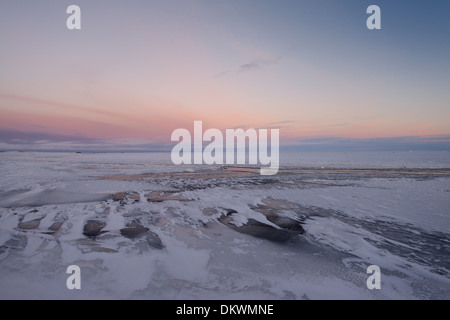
(398,222)
(378,159)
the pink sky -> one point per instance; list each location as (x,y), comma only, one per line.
(141,72)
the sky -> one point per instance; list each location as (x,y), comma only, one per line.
(139,69)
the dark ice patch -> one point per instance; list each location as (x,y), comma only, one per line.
(260,230)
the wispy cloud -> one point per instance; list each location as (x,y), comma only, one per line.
(332,125)
(257,64)
(241,126)
(27,137)
(251,66)
(56,104)
(408,143)
(277,124)
(40,141)
(283,122)
(221,74)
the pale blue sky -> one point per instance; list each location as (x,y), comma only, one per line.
(140,69)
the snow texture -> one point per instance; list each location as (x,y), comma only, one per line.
(165,236)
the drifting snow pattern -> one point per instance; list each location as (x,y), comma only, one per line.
(141,228)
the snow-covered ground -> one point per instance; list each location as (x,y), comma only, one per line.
(165,236)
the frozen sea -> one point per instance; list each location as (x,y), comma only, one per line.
(140,227)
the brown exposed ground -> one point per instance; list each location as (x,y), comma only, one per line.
(182,175)
(232,172)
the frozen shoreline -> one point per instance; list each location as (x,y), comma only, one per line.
(396,219)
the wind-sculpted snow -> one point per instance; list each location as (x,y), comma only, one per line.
(141,228)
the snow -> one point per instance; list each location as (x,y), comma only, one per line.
(398,223)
